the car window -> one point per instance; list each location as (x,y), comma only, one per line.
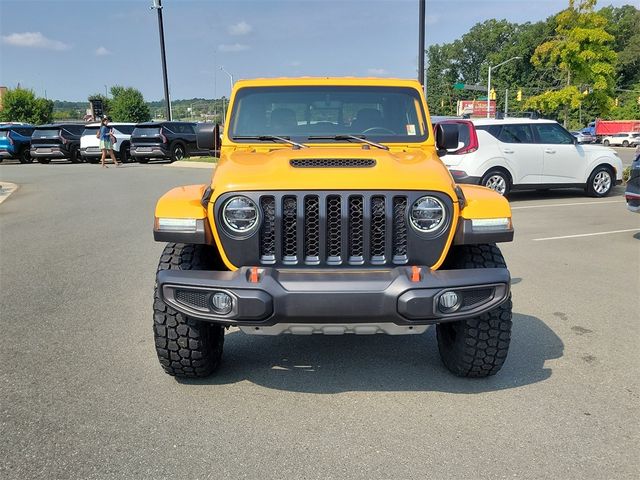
(74,129)
(516,134)
(24,131)
(125,129)
(552,133)
(182,128)
(170,127)
(493,130)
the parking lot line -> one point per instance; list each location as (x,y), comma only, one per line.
(587,234)
(566,204)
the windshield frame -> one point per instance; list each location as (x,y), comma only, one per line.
(415,94)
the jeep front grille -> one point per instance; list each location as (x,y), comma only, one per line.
(333,163)
(336,229)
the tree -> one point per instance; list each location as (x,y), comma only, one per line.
(582,57)
(22,105)
(127,105)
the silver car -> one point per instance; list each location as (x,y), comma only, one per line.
(583,137)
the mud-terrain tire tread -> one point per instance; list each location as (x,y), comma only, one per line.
(476,347)
(186,347)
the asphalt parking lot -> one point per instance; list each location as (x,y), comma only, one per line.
(83,395)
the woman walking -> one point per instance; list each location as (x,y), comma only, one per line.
(106,142)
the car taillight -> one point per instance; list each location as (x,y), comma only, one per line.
(164,139)
(473,141)
(9,137)
(64,140)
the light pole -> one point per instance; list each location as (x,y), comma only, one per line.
(421,21)
(157,5)
(230,89)
(489,83)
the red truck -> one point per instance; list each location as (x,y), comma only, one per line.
(602,128)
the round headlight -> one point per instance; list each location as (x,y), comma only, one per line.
(427,214)
(240,214)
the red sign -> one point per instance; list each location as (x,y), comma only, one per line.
(476,108)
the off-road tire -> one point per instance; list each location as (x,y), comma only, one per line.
(476,347)
(25,155)
(186,347)
(44,161)
(591,182)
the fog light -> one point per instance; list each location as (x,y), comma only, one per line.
(449,302)
(222,303)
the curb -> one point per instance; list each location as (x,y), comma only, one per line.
(187,164)
(6,189)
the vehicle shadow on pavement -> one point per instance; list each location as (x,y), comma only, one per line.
(323,364)
(561,194)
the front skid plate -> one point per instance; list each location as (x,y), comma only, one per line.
(336,329)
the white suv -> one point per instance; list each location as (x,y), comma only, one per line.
(90,145)
(521,153)
(626,139)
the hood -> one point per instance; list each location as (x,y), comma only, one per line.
(401,169)
(598,150)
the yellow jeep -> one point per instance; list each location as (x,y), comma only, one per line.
(331,212)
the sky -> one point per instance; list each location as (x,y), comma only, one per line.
(69,49)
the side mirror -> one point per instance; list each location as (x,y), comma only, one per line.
(208,137)
(575,141)
(446,137)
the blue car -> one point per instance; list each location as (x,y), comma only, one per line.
(15,142)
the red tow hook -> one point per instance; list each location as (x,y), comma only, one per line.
(416,273)
(253,275)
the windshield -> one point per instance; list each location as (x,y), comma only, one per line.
(386,114)
(45,133)
(146,132)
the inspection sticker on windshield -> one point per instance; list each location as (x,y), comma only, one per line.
(411,129)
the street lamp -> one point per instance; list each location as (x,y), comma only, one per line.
(489,83)
(230,89)
(157,5)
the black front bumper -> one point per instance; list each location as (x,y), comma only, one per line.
(329,296)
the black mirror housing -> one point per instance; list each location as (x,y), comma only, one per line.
(446,137)
(208,137)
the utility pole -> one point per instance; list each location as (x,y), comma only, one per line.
(421,42)
(506,103)
(489,83)
(157,5)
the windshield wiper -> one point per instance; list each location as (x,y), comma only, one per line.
(358,138)
(270,138)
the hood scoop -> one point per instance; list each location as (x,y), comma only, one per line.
(332,163)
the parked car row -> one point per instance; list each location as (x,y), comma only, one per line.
(522,153)
(626,139)
(77,142)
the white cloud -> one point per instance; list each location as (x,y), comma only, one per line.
(34,40)
(377,71)
(101,51)
(234,47)
(240,28)
(295,63)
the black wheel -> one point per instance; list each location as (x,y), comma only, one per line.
(177,152)
(625,143)
(606,143)
(600,182)
(25,156)
(186,347)
(124,154)
(497,180)
(44,161)
(93,160)
(476,347)
(142,160)
(74,156)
